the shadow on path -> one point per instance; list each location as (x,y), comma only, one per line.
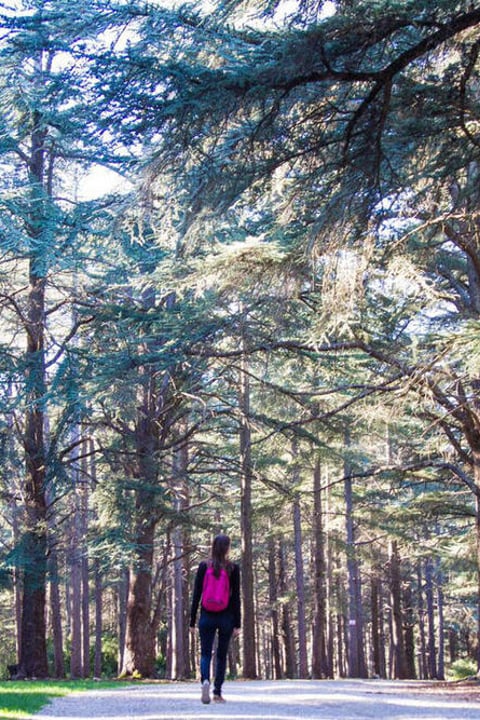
(280,700)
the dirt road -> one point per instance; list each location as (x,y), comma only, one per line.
(280,700)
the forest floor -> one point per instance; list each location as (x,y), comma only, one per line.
(276,700)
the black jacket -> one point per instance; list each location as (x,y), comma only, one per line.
(234,604)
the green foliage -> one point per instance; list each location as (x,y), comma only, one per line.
(463,668)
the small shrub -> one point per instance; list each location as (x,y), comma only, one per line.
(463,668)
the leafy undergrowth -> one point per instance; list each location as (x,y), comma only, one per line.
(21,699)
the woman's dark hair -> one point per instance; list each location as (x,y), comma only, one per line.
(220,548)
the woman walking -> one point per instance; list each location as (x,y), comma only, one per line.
(217,585)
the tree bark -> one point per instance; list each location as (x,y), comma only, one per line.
(140,633)
(300,590)
(409,625)
(76,670)
(398,641)
(122,600)
(273,599)
(56,615)
(423,670)
(377,621)
(287,635)
(139,654)
(84,574)
(320,668)
(181,663)
(356,656)
(249,643)
(432,651)
(441,626)
(33,651)
(98,595)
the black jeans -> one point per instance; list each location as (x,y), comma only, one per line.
(210,623)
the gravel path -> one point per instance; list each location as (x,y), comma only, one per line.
(290,700)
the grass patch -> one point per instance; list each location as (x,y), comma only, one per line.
(20,699)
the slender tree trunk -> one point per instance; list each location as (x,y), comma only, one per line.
(319,652)
(375,593)
(399,656)
(122,597)
(452,645)
(56,614)
(356,656)
(273,599)
(409,632)
(300,588)
(331,588)
(287,635)
(441,625)
(421,625)
(97,575)
(181,665)
(76,670)
(98,594)
(432,651)
(55,602)
(249,655)
(17,588)
(84,574)
(178,609)
(340,623)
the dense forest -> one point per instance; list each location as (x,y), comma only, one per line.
(240,292)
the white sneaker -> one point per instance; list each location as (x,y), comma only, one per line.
(205,692)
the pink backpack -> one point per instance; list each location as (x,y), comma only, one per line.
(216,590)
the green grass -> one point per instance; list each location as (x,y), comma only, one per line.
(24,698)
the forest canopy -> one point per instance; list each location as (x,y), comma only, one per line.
(266,326)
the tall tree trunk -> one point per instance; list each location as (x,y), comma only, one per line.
(319,652)
(432,651)
(398,642)
(273,599)
(181,664)
(139,654)
(55,602)
(409,632)
(91,470)
(84,574)
(98,595)
(33,651)
(340,623)
(122,600)
(441,625)
(331,589)
(76,670)
(140,635)
(17,586)
(300,589)
(377,622)
(249,658)
(423,670)
(356,655)
(56,615)
(287,634)
(179,647)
